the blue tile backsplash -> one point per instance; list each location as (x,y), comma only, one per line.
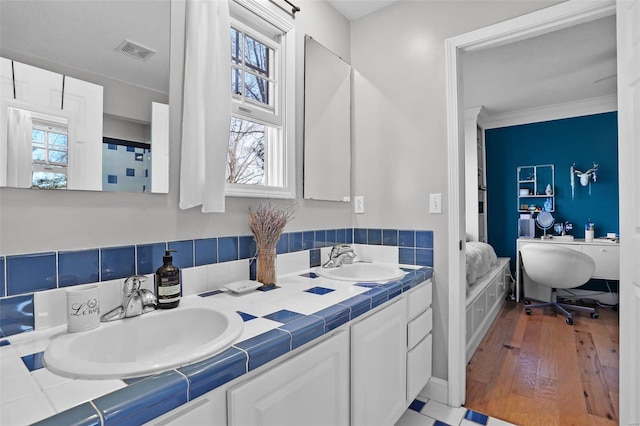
(227,249)
(118,262)
(150,257)
(31,272)
(78,267)
(16,315)
(183,254)
(206,250)
(22,275)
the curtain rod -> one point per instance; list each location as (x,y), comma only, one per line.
(294,8)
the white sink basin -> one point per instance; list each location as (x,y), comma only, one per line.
(146,344)
(361,271)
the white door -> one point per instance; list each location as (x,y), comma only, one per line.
(379,367)
(628,23)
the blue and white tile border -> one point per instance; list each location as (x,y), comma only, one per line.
(24,275)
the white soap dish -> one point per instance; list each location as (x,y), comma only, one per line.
(244,286)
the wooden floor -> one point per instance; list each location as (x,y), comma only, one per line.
(537,370)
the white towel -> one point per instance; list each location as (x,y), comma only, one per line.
(206,111)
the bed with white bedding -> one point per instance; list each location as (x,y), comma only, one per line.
(487,288)
(480,258)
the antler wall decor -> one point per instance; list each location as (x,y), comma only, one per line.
(585,177)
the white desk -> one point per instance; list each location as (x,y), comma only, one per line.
(606,255)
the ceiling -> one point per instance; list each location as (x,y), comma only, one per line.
(64,35)
(572,64)
(564,66)
(355,9)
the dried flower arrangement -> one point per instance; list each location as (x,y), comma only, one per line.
(267,223)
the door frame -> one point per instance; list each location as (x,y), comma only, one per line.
(533,24)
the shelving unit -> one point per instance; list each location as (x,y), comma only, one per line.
(534,180)
(482,187)
(475,175)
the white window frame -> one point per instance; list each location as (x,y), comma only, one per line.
(258,18)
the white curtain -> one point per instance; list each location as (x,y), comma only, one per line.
(19,161)
(207,105)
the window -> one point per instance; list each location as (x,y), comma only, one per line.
(260,159)
(50,154)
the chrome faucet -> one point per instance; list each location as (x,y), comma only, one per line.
(340,254)
(135,301)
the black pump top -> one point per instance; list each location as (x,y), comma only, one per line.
(167,258)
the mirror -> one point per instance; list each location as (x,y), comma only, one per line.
(327,124)
(91,81)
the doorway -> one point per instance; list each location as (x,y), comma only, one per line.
(541,22)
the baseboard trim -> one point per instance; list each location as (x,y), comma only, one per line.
(436,389)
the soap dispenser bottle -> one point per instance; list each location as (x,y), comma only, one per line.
(167,283)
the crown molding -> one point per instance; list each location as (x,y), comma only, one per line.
(553,112)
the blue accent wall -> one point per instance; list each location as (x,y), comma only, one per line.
(581,140)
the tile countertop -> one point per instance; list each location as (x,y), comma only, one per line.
(301,308)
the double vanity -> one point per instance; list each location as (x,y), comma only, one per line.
(339,350)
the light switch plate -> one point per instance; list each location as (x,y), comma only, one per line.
(435,203)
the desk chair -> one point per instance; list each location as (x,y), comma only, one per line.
(557,267)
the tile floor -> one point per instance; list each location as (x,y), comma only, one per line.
(433,413)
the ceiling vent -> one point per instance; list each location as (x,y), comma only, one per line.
(135,50)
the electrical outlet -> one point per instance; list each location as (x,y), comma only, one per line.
(435,203)
(358,207)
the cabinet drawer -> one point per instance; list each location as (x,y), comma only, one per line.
(419,299)
(607,260)
(492,291)
(479,309)
(418,367)
(469,323)
(419,328)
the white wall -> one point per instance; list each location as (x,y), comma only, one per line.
(35,221)
(400,154)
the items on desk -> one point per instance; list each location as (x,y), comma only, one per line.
(589,231)
(526,226)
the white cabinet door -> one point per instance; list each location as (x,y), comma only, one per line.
(419,367)
(311,388)
(378,366)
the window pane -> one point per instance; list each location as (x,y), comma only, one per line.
(37,136)
(57,140)
(256,88)
(236,46)
(48,180)
(38,154)
(245,157)
(59,157)
(236,81)
(257,56)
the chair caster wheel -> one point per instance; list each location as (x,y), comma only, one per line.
(526,302)
(594,315)
(527,311)
(570,321)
